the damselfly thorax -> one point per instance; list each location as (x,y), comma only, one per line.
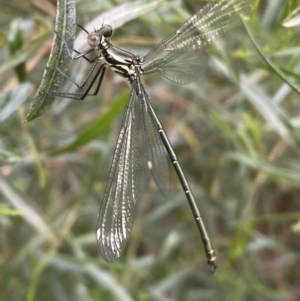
(121,61)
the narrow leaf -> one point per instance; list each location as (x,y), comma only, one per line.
(59,58)
(99,127)
(13,99)
(293,19)
(267,108)
(117,17)
(269,62)
(285,170)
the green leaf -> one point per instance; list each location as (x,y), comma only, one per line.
(275,68)
(13,99)
(15,42)
(7,156)
(29,214)
(293,19)
(23,54)
(99,127)
(271,112)
(59,58)
(9,211)
(289,171)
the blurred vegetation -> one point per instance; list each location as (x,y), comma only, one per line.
(236,135)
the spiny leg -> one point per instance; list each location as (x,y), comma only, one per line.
(80,96)
(86,78)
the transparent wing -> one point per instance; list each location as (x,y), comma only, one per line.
(156,151)
(181,67)
(188,42)
(206,26)
(118,206)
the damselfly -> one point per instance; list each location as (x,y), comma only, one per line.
(181,58)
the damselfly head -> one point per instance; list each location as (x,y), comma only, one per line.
(94,39)
(106,30)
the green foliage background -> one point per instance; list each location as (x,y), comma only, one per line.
(236,135)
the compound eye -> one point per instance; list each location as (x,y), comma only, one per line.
(106,30)
(93,39)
